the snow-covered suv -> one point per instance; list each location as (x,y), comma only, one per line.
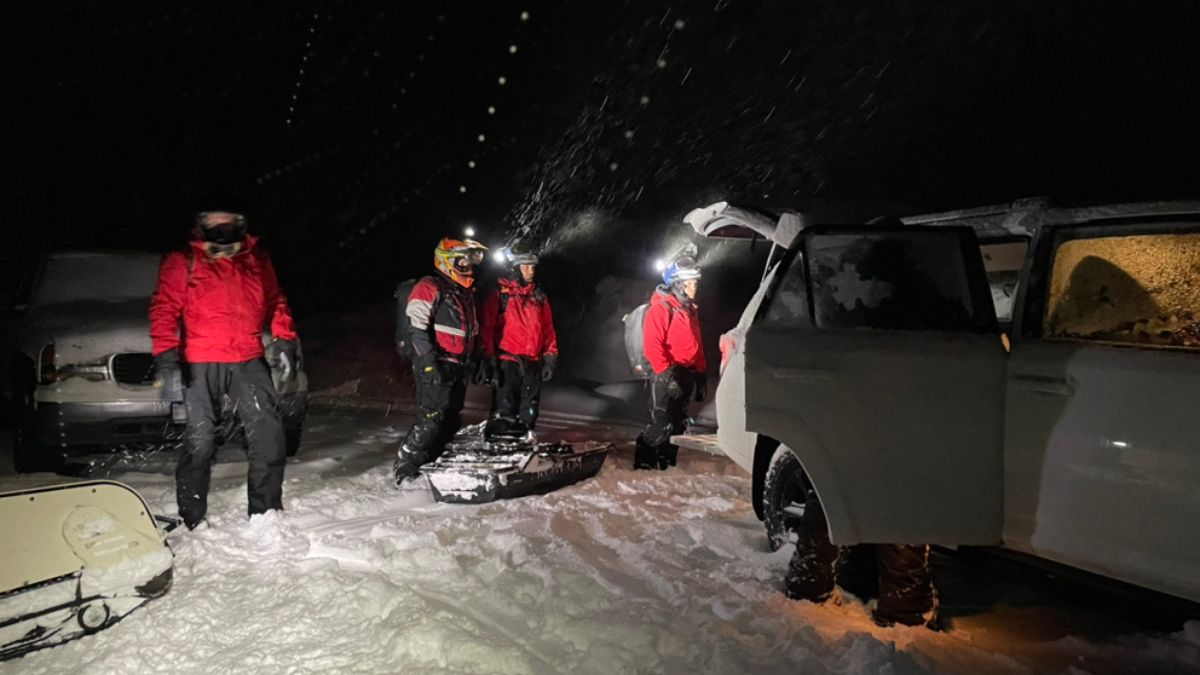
(82,377)
(1022,375)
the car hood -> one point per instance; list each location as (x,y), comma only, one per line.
(87,331)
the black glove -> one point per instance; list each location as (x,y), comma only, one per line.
(485,370)
(167,371)
(549,365)
(289,359)
(701,387)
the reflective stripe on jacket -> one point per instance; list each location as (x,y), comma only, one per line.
(223,303)
(442,316)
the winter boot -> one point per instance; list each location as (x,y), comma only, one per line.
(645,456)
(907,595)
(667,455)
(407,465)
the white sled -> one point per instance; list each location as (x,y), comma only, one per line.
(75,558)
(476,470)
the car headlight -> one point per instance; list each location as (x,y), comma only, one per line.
(47,374)
(91,372)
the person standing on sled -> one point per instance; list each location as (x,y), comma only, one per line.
(444,334)
(519,342)
(671,340)
(223,291)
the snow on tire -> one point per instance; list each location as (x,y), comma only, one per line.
(784,492)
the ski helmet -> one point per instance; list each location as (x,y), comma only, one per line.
(457,258)
(518,257)
(681,270)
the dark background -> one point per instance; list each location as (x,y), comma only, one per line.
(344,129)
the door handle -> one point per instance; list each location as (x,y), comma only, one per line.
(1041,384)
(800,374)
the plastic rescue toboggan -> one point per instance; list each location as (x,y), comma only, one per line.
(75,559)
(477,468)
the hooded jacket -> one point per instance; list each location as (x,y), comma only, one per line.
(516,322)
(224,304)
(671,333)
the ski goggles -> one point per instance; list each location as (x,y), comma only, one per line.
(220,227)
(470,256)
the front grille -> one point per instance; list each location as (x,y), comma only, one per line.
(133,368)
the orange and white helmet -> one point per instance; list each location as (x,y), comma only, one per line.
(457,258)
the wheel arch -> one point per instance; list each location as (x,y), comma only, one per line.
(800,440)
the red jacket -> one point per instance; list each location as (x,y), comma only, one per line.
(524,328)
(442,318)
(671,334)
(224,304)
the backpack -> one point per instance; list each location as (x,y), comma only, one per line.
(403,325)
(635,346)
(635,323)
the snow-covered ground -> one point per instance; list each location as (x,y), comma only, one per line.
(646,572)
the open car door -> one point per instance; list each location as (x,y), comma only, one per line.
(878,363)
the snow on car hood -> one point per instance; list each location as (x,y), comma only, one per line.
(87,331)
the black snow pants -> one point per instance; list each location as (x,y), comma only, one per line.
(669,394)
(441,393)
(906,594)
(517,390)
(256,404)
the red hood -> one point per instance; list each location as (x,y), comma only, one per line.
(514,287)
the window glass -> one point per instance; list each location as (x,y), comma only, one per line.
(1137,289)
(789,303)
(1003,262)
(90,276)
(891,281)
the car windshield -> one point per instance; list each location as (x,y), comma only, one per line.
(111,277)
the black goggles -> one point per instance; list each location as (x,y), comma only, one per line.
(222,231)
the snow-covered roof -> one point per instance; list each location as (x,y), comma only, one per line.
(1025,216)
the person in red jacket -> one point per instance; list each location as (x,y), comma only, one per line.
(519,342)
(212,302)
(444,338)
(671,340)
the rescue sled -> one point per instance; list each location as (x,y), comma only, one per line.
(75,559)
(476,469)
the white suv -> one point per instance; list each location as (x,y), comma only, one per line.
(1022,375)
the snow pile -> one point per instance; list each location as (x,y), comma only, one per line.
(656,572)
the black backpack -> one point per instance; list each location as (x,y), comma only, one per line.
(403,324)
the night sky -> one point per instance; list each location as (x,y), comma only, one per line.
(354,134)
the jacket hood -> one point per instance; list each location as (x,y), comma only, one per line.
(663,293)
(515,287)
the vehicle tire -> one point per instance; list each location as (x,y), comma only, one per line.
(29,456)
(784,492)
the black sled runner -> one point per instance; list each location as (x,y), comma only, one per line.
(506,461)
